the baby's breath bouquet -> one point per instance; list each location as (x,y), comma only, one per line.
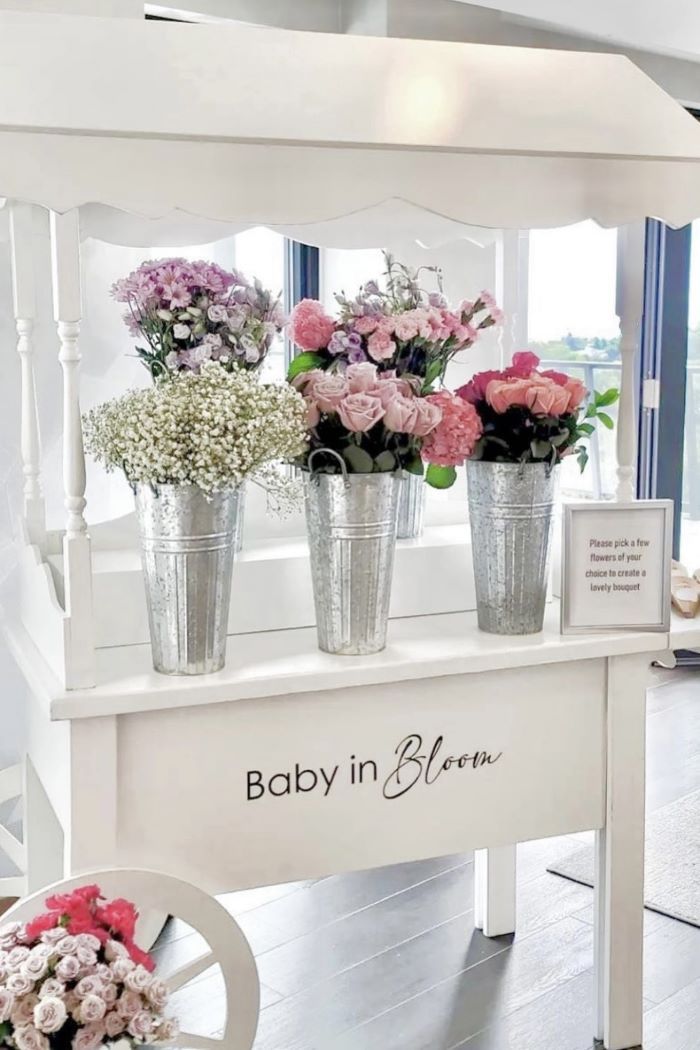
(213,429)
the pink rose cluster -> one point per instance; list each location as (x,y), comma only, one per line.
(76,989)
(522,385)
(362,396)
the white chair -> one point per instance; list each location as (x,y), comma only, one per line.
(227,947)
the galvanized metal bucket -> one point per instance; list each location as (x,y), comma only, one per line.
(411,506)
(351,522)
(187,548)
(240,520)
(511,510)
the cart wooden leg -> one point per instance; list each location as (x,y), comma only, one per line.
(494,890)
(619,898)
(43,834)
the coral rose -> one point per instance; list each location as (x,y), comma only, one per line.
(503,394)
(545,398)
(577,392)
(310,327)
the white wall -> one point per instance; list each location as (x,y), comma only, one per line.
(671,27)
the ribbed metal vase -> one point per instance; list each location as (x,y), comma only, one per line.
(511,509)
(240,519)
(351,522)
(187,549)
(411,506)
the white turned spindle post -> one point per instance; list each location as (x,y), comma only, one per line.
(630,302)
(511,287)
(77,567)
(24,301)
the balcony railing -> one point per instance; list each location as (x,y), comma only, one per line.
(593,374)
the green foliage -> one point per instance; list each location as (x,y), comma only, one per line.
(415,466)
(359,460)
(440,477)
(304,362)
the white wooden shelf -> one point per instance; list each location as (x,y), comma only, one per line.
(275,663)
(433,574)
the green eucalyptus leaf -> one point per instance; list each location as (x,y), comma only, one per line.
(582,459)
(606,420)
(359,461)
(558,439)
(540,449)
(385,461)
(415,466)
(586,428)
(608,397)
(304,363)
(440,477)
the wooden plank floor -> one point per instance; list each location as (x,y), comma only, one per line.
(389,959)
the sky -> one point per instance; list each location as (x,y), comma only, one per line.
(572,282)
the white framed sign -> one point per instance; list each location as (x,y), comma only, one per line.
(616,566)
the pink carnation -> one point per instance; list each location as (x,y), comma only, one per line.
(365,325)
(310,327)
(380,345)
(453,439)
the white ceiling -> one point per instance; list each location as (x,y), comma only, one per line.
(666,27)
(669,27)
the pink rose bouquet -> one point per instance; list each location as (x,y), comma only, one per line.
(400,327)
(378,421)
(73,979)
(529,415)
(192,312)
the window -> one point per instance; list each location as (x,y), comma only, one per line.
(573,326)
(690,520)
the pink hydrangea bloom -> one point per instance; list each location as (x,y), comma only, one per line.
(453,439)
(310,327)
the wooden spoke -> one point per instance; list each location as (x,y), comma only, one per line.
(184,974)
(198,1042)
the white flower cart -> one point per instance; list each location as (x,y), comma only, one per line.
(291,763)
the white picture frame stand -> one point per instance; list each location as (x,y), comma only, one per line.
(616,566)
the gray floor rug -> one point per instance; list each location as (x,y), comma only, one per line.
(672,865)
